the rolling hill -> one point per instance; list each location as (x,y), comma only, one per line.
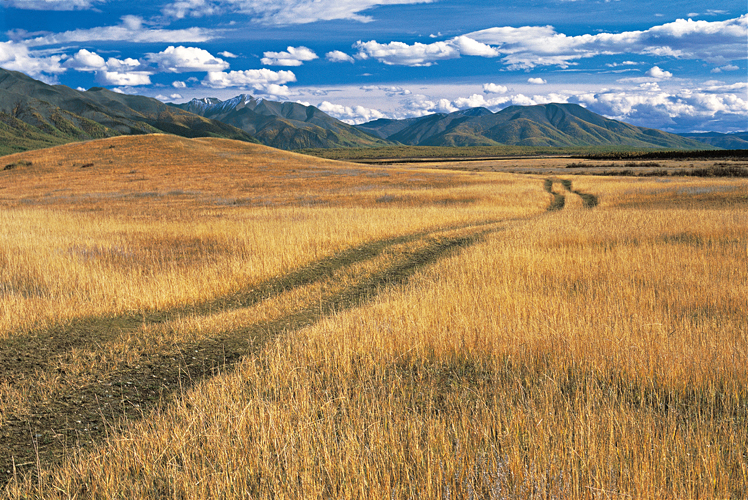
(34,115)
(284,125)
(738,140)
(547,125)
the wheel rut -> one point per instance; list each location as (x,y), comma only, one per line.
(83,409)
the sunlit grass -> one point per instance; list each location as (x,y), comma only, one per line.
(571,354)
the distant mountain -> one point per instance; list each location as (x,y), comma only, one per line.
(284,125)
(737,140)
(34,114)
(548,125)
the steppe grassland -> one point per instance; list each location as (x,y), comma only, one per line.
(121,246)
(579,354)
(566,357)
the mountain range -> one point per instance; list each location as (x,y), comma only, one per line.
(737,140)
(284,125)
(546,125)
(35,115)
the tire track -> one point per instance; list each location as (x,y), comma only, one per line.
(82,414)
(588,200)
(558,201)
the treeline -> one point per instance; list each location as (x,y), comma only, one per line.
(667,155)
(715,171)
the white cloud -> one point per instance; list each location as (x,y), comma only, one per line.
(474,101)
(121,72)
(17,57)
(492,88)
(729,67)
(421,54)
(283,12)
(262,81)
(179,85)
(536,81)
(390,91)
(227,55)
(469,47)
(624,63)
(123,79)
(658,73)
(131,29)
(530,46)
(52,4)
(186,59)
(339,56)
(85,60)
(170,98)
(351,115)
(678,109)
(195,8)
(293,56)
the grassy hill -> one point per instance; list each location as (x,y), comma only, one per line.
(34,114)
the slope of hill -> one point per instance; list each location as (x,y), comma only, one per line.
(284,125)
(738,140)
(34,114)
(165,172)
(548,125)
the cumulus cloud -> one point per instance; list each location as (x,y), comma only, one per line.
(338,56)
(85,60)
(131,29)
(283,12)
(52,4)
(422,54)
(293,56)
(186,59)
(676,110)
(123,79)
(121,72)
(179,85)
(227,55)
(262,81)
(658,73)
(17,57)
(536,81)
(492,88)
(530,46)
(351,115)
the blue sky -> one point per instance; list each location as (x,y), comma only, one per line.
(677,66)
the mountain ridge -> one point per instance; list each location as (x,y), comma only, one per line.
(284,125)
(544,125)
(34,114)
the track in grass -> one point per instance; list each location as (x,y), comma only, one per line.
(558,201)
(588,200)
(82,410)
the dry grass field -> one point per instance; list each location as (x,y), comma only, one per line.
(210,319)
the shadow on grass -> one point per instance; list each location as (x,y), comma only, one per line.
(82,416)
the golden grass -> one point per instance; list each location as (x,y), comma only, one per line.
(575,354)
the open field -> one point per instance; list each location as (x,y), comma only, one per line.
(211,319)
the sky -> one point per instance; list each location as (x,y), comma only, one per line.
(675,66)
